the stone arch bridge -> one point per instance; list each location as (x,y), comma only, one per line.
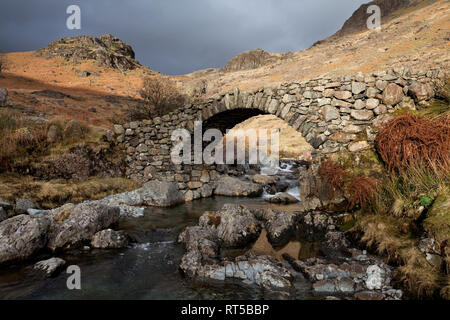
(332,115)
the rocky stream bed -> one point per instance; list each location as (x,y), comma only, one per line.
(269,246)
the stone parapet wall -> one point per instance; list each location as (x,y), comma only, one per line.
(332,114)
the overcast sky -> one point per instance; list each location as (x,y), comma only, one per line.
(178,36)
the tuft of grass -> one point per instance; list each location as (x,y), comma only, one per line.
(23,142)
(19,138)
(384,234)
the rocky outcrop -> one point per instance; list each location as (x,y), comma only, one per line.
(106,51)
(235,226)
(358,21)
(252,59)
(110,239)
(21,237)
(76,225)
(360,275)
(234,187)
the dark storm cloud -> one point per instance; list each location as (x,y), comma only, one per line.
(178,36)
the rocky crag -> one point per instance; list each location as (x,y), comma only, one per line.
(106,50)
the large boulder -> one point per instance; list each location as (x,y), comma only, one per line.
(161,194)
(110,239)
(280,226)
(236,225)
(76,225)
(420,91)
(393,94)
(21,237)
(233,187)
(153,193)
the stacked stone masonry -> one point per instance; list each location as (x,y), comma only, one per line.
(332,115)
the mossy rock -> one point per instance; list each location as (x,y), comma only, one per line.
(437,223)
(365,163)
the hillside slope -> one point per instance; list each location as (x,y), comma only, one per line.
(414,34)
(85,84)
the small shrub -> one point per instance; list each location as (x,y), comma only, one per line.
(426,201)
(160,97)
(411,140)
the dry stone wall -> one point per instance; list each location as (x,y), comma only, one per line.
(332,115)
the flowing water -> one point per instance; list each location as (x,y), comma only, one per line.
(148,269)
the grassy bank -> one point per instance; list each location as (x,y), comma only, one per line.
(399,195)
(54,193)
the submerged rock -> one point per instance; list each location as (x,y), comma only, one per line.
(21,237)
(233,187)
(110,239)
(50,267)
(284,198)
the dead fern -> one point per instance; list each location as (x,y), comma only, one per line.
(333,174)
(410,140)
(360,190)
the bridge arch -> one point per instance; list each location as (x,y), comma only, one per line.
(331,114)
